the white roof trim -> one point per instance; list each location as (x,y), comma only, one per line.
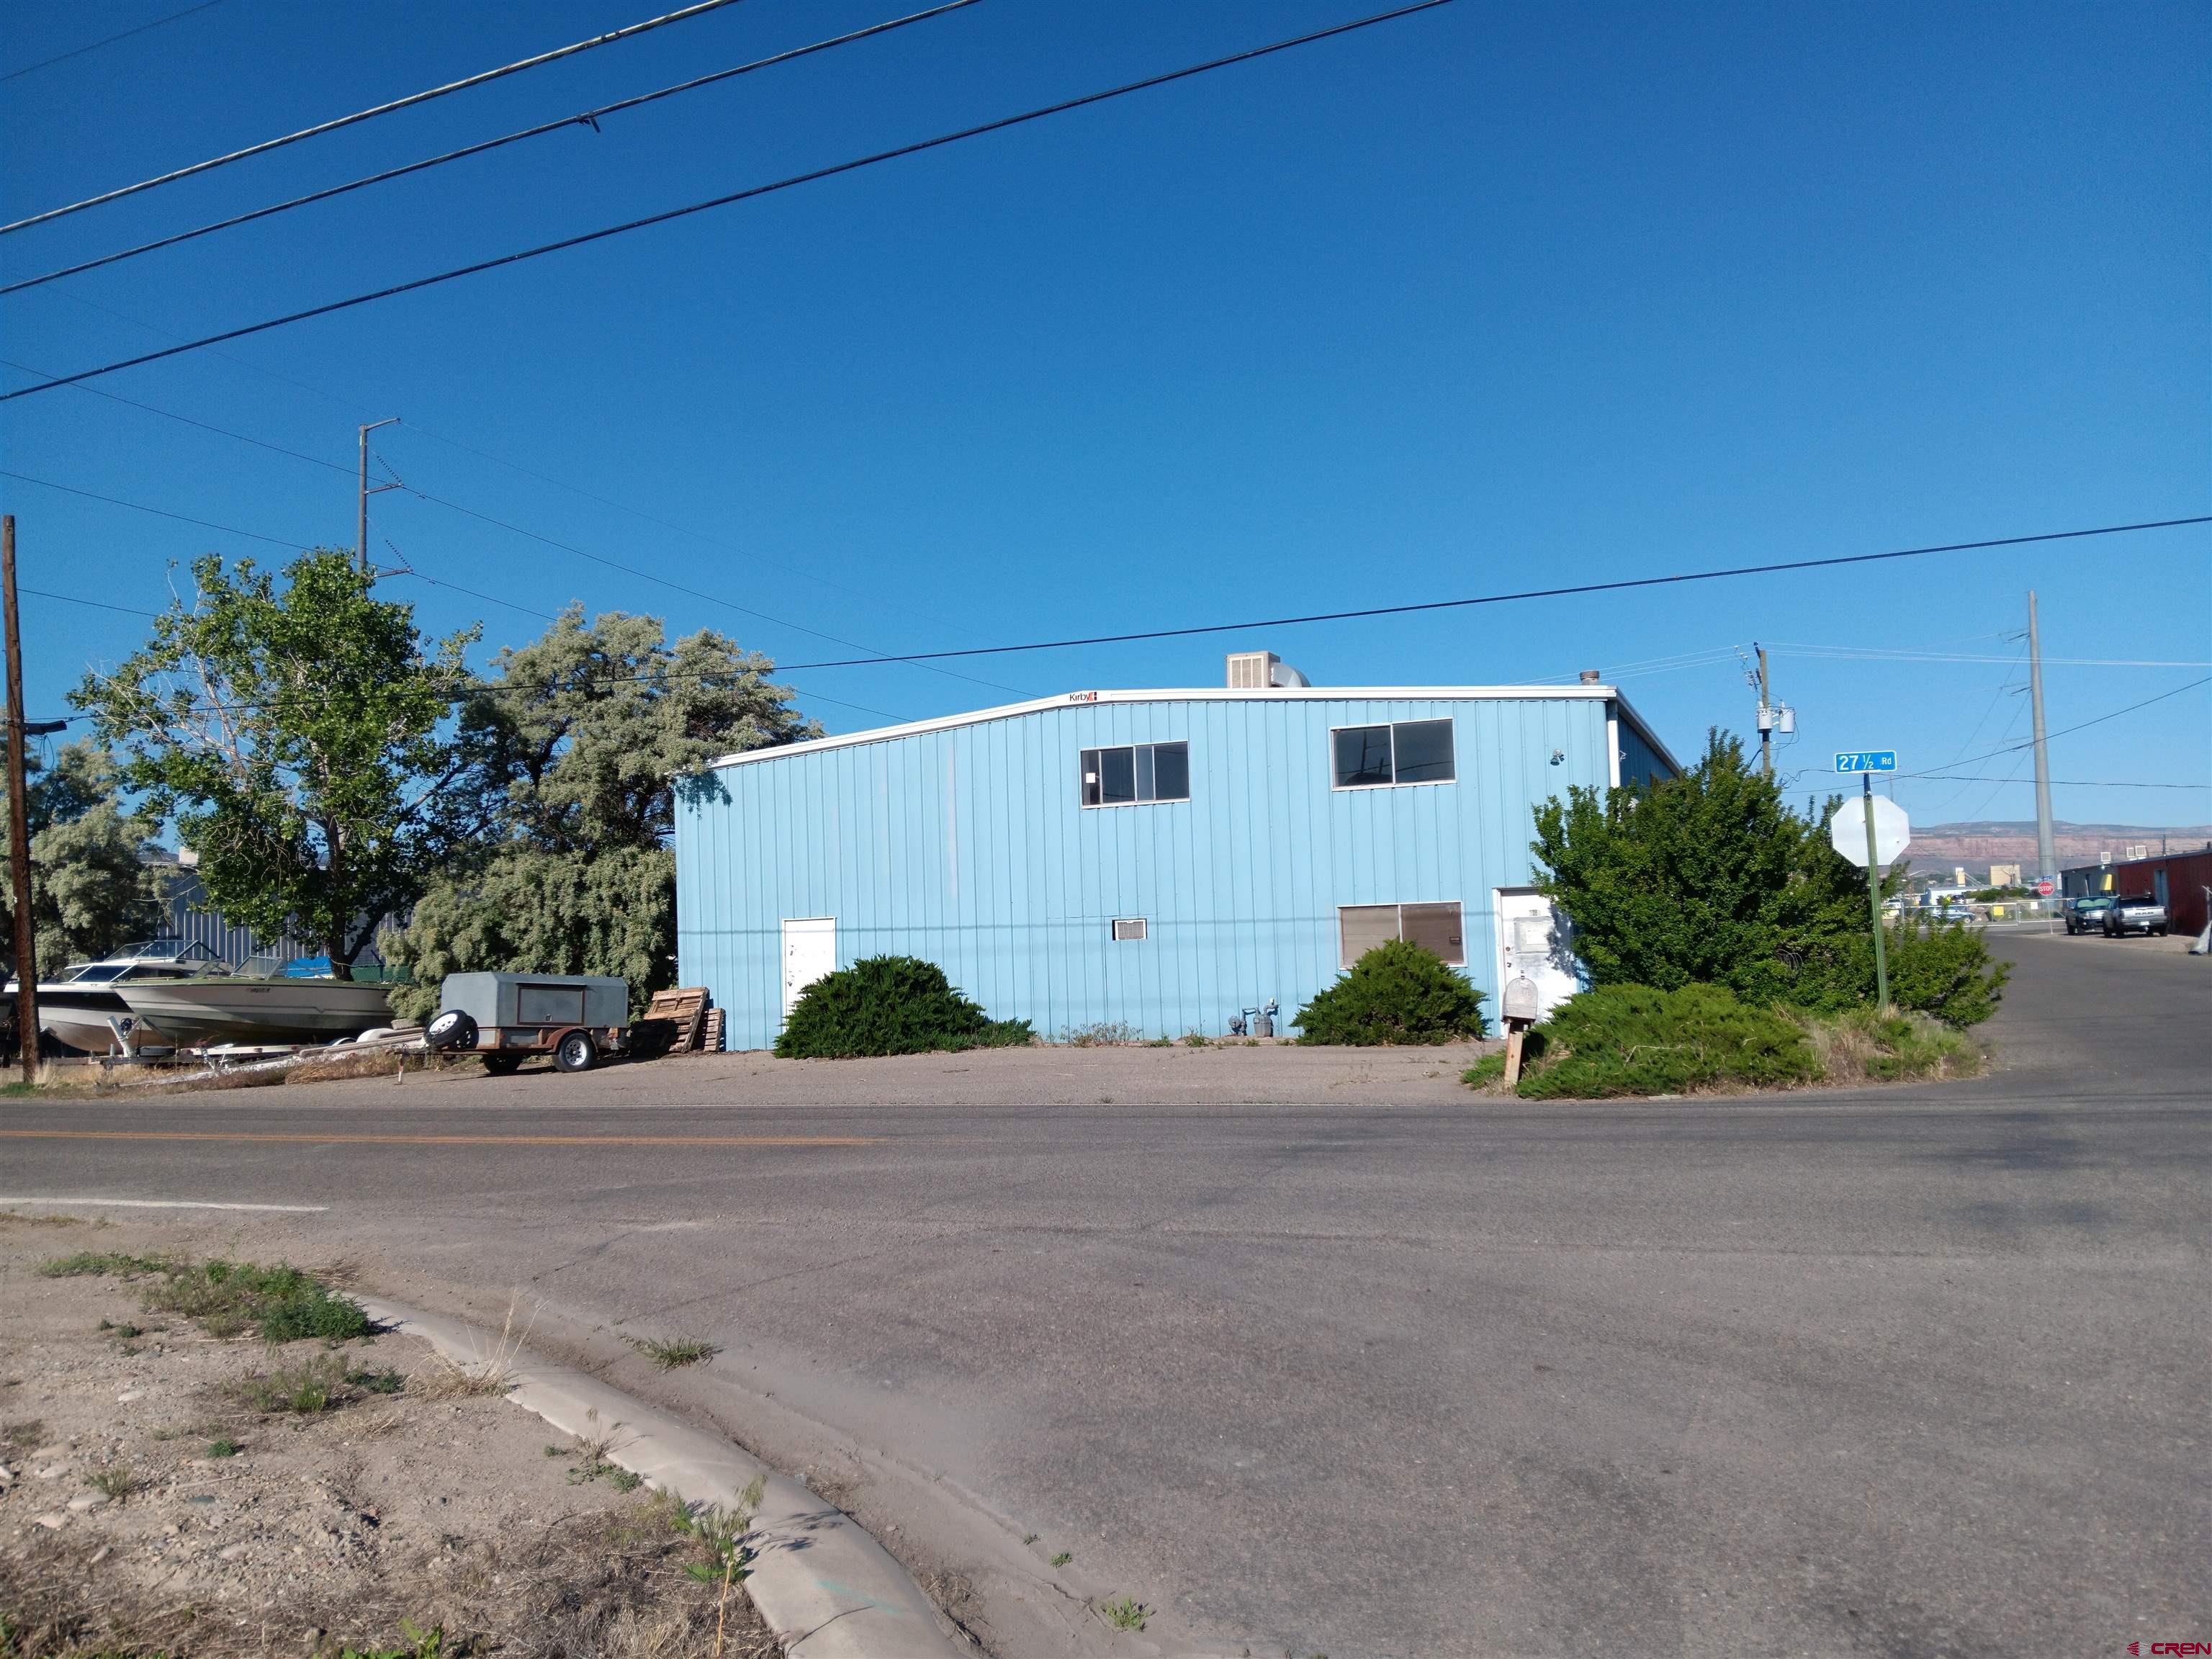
(1210,694)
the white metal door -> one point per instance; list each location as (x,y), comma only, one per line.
(810,953)
(1536,942)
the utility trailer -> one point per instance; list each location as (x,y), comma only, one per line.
(578,1018)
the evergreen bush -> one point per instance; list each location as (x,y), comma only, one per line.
(1397,993)
(889,1006)
(1639,1040)
(1709,879)
(1944,969)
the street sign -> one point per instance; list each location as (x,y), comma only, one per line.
(1866,759)
(1847,830)
(2046,887)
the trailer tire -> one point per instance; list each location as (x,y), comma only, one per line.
(575,1052)
(502,1065)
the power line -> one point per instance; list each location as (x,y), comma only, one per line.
(79,52)
(795,180)
(486,518)
(2062,732)
(588,118)
(1877,653)
(204,426)
(96,605)
(1623,585)
(2070,783)
(1553,592)
(677,588)
(159,513)
(436,582)
(462,85)
(416,428)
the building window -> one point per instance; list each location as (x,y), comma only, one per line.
(1141,772)
(1361,927)
(1129,929)
(1378,757)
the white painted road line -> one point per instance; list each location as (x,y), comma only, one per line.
(166,1204)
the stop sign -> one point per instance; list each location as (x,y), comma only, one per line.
(2046,887)
(1893,831)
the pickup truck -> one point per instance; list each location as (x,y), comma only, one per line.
(2139,914)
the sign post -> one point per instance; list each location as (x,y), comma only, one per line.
(1866,763)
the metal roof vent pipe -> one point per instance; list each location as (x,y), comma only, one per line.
(1590,676)
(1257,670)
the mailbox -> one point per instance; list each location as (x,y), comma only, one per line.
(1520,999)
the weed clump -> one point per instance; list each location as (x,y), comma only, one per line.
(1637,1040)
(1397,993)
(1125,1613)
(1102,1034)
(117,1481)
(890,1005)
(281,1303)
(666,1355)
(1861,1045)
(305,1389)
(1484,1071)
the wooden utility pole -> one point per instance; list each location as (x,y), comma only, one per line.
(361,542)
(19,823)
(1765,719)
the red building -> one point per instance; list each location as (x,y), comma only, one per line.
(2177,880)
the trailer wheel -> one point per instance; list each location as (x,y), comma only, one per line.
(576,1051)
(502,1065)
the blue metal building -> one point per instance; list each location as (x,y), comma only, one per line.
(1159,859)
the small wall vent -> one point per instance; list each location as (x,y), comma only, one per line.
(1128,929)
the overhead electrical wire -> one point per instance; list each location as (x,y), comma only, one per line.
(678,587)
(79,52)
(793,181)
(1553,592)
(2068,783)
(2062,732)
(588,118)
(1621,585)
(370,115)
(455,506)
(159,513)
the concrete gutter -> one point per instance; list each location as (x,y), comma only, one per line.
(826,1589)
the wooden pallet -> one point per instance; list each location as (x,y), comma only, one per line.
(685,1009)
(710,1040)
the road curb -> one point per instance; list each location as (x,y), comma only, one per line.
(825,1587)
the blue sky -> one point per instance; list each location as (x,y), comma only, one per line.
(1481,300)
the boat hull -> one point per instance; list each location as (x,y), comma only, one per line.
(78,1016)
(192,1012)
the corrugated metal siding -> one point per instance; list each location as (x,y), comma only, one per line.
(1639,761)
(2186,877)
(967,847)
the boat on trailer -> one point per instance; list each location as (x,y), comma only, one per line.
(279,1004)
(76,1008)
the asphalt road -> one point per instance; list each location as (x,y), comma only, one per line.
(1326,1357)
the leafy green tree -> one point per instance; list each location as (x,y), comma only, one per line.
(1710,880)
(90,890)
(1397,993)
(292,734)
(575,750)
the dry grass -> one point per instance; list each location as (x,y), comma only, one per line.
(616,1585)
(488,1373)
(1861,1046)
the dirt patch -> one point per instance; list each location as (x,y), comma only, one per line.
(174,1492)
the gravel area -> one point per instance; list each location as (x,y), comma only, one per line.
(151,1503)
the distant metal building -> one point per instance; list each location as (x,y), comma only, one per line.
(1159,860)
